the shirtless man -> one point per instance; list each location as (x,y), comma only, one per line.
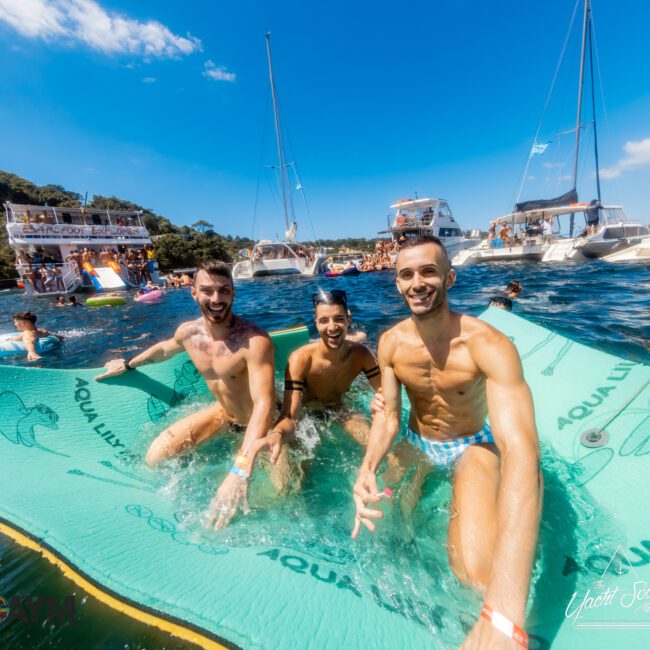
(235,358)
(458,370)
(25,322)
(319,374)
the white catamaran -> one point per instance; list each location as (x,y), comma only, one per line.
(534,230)
(279,257)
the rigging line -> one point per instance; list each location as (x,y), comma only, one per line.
(261,166)
(548,96)
(304,198)
(283,130)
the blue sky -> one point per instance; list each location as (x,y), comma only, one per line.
(167,104)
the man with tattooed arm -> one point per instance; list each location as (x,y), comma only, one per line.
(235,357)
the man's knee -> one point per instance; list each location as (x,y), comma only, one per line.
(471,569)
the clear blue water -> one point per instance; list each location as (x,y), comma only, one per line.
(602,305)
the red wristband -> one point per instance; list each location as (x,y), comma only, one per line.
(505,625)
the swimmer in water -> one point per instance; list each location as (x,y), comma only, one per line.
(513,289)
(457,371)
(235,357)
(501,302)
(25,321)
(320,373)
(60,302)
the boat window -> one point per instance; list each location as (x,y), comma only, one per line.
(613,233)
(644,230)
(611,215)
(444,211)
(449,232)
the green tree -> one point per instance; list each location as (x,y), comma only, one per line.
(202,225)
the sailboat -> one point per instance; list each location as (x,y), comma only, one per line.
(539,220)
(285,257)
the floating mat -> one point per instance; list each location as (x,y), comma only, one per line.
(73,490)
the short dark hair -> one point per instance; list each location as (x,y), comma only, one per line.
(501,301)
(25,315)
(421,240)
(214,267)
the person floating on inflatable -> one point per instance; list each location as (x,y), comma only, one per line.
(235,357)
(457,371)
(32,336)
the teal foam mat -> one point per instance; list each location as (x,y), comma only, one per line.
(74,485)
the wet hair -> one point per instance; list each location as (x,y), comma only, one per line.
(72,299)
(214,267)
(25,315)
(421,240)
(501,301)
(514,286)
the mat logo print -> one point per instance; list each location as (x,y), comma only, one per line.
(36,610)
(633,596)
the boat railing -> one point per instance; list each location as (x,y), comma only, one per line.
(66,281)
(62,216)
(406,221)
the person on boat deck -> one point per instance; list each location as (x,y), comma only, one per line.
(547,228)
(235,358)
(492,230)
(319,374)
(457,371)
(25,322)
(45,217)
(504,232)
(592,214)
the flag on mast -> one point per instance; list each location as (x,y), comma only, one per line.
(539,148)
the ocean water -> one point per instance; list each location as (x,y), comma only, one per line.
(605,306)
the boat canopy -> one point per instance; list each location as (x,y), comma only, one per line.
(531,215)
(415,204)
(536,204)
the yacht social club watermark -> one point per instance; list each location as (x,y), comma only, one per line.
(623,605)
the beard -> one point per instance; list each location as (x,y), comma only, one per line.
(214,318)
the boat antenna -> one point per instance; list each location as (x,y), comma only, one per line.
(278,136)
(593,104)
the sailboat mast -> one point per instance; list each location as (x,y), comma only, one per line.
(278,136)
(580,85)
(593,104)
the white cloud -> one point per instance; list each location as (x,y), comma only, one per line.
(552,165)
(637,154)
(87,22)
(532,178)
(565,177)
(149,80)
(217,72)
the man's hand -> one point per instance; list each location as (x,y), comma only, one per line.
(32,356)
(113,367)
(377,405)
(483,636)
(271,443)
(225,502)
(365,492)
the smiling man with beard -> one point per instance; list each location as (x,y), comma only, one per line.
(457,370)
(235,357)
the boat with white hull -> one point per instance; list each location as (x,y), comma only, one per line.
(418,217)
(279,257)
(47,239)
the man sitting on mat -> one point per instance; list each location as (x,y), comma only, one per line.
(235,357)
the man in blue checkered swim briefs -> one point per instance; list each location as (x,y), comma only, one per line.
(443,453)
(458,372)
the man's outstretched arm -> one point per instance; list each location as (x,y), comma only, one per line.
(384,429)
(154,354)
(519,500)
